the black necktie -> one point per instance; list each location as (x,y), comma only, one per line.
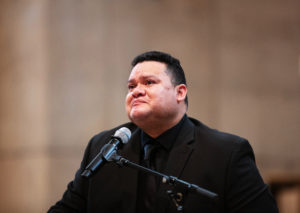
(149,180)
(149,152)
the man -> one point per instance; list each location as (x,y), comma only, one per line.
(156,104)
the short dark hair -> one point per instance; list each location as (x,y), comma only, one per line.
(173,66)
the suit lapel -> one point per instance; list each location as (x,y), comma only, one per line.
(178,158)
(181,150)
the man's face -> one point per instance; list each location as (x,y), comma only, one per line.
(151,95)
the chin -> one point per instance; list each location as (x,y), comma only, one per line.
(136,116)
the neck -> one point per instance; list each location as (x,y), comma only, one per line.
(155,129)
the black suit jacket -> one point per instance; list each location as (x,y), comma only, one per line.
(220,162)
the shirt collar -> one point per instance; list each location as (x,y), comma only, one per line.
(167,138)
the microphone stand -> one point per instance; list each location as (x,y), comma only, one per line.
(171,180)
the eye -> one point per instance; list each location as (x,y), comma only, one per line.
(149,82)
(131,86)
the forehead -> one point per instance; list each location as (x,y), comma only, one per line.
(148,68)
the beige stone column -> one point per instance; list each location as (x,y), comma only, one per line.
(23,112)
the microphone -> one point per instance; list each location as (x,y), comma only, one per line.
(116,142)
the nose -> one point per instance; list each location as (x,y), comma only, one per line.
(138,91)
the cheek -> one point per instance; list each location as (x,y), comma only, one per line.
(166,95)
(128,100)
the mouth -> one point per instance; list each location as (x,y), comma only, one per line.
(137,102)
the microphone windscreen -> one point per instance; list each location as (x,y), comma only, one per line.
(124,134)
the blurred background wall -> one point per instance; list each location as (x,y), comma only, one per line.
(64,67)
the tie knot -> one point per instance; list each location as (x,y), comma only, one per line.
(149,149)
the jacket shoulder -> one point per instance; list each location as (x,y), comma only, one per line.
(216,138)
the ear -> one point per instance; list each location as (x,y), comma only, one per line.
(181,90)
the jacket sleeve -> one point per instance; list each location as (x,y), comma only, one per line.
(246,191)
(75,197)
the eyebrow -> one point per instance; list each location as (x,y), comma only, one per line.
(144,77)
